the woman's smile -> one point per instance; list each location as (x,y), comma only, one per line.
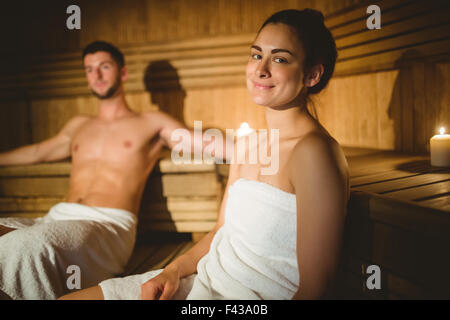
(262,86)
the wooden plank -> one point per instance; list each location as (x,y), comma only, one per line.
(392,185)
(405,40)
(136,77)
(442,202)
(389,60)
(358,225)
(397,13)
(168,166)
(420,109)
(231,80)
(352,152)
(410,168)
(407,115)
(140,254)
(28,204)
(63,168)
(384,161)
(336,20)
(25,214)
(162,256)
(422,259)
(181,216)
(184,204)
(33,187)
(192,184)
(177,226)
(349,281)
(410,216)
(353,263)
(419,192)
(384,176)
(404,288)
(397,29)
(76,72)
(37,170)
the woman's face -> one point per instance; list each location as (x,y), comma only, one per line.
(275,67)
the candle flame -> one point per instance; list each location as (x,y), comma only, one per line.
(442,130)
(244,129)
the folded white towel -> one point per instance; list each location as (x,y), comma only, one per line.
(34,259)
(253,255)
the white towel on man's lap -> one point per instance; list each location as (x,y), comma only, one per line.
(253,255)
(34,259)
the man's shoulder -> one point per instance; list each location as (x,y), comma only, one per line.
(161,119)
(77,121)
(81,118)
(155,115)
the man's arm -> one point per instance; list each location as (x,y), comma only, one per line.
(175,135)
(53,149)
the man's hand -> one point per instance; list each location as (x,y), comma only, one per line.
(161,287)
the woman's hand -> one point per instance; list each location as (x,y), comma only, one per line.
(161,287)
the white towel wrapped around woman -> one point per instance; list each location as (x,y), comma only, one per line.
(252,256)
(34,259)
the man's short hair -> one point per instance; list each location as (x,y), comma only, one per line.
(96,46)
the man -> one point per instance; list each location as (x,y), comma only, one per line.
(94,229)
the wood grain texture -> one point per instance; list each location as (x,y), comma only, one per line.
(388,89)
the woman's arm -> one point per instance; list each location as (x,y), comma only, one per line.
(166,283)
(318,173)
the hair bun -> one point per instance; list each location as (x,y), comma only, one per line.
(315,15)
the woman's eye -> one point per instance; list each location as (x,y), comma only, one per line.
(256,56)
(280,60)
(105,67)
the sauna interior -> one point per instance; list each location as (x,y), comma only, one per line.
(389,95)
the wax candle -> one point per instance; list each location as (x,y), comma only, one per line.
(440,149)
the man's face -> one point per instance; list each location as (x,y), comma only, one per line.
(103,74)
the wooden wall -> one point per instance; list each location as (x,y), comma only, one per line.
(389,89)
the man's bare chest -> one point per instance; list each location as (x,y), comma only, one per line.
(113,141)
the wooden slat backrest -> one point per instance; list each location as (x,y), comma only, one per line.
(422,26)
(177,198)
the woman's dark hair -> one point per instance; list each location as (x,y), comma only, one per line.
(96,46)
(316,39)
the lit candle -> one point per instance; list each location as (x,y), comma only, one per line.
(244,129)
(440,149)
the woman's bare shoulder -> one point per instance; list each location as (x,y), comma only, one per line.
(315,140)
(319,154)
(318,147)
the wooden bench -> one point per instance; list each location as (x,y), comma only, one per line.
(180,204)
(398,218)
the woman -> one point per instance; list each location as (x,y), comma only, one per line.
(278,236)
